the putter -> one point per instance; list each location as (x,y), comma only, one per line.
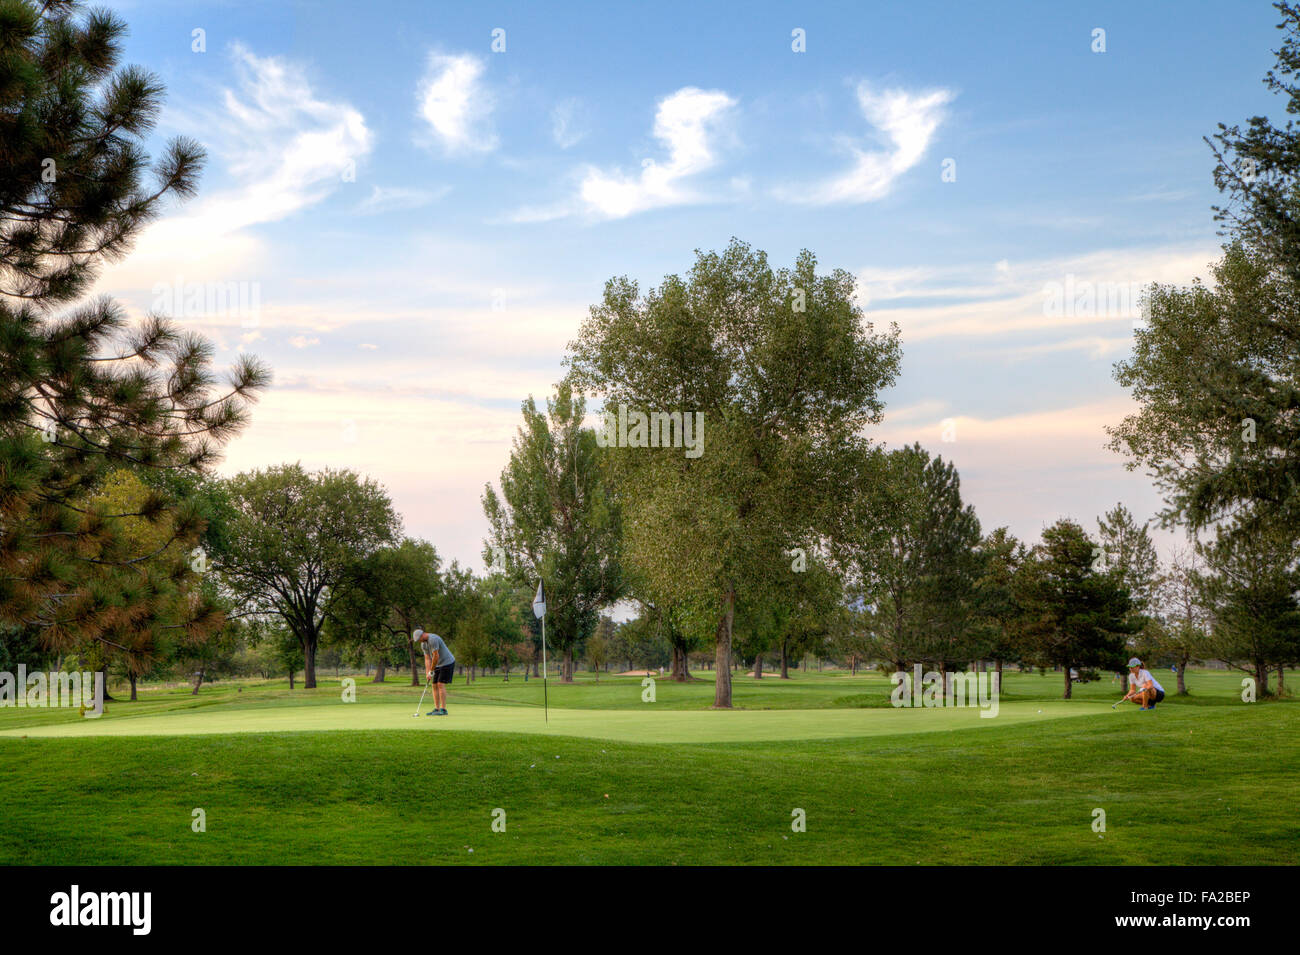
(422,692)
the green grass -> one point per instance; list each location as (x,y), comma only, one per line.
(302,777)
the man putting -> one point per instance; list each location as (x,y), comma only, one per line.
(1143,688)
(439,666)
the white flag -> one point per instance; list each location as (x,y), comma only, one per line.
(539,602)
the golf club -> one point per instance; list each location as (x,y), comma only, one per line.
(422,692)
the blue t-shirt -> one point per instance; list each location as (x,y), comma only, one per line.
(435,644)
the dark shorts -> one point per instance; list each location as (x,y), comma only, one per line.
(443,674)
(1160,695)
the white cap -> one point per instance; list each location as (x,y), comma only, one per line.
(415,637)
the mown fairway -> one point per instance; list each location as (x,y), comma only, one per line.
(302,777)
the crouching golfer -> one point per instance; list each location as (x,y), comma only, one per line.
(439,666)
(1143,688)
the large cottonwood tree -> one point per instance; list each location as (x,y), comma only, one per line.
(1216,369)
(787,374)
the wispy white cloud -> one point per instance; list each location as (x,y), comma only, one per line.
(686,124)
(287,147)
(567,129)
(1027,469)
(998,300)
(907,120)
(284,147)
(1162,195)
(1096,347)
(392,198)
(456,104)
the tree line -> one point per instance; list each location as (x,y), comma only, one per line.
(778,526)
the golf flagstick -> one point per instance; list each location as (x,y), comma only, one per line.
(539,610)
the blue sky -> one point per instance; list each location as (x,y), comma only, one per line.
(423,221)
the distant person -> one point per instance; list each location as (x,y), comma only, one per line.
(439,666)
(1143,688)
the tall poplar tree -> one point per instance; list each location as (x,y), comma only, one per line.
(558,519)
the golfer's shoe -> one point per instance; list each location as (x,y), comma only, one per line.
(433,713)
(443,711)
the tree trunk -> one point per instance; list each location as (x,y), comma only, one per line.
(291,678)
(785,662)
(1261,679)
(681,671)
(1182,677)
(722,656)
(567,676)
(1281,681)
(108,697)
(1069,687)
(758,667)
(131,676)
(309,665)
(198,682)
(380,670)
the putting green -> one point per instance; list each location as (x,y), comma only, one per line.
(639,726)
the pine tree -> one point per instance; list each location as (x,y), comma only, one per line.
(996,612)
(83,393)
(72,168)
(1074,614)
(1128,552)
